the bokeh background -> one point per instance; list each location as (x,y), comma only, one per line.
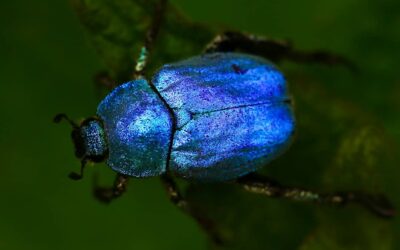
(46,67)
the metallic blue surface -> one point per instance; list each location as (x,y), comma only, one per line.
(233,114)
(138,129)
(219,81)
(94,140)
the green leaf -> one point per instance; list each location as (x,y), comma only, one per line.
(338,145)
(117,30)
(359,163)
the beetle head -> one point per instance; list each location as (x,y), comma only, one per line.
(89,141)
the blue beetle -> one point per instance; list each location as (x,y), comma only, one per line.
(212,117)
(216,117)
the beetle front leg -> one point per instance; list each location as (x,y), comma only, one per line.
(274,50)
(377,204)
(103,80)
(106,195)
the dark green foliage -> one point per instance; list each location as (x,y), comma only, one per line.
(349,126)
(338,146)
(117,30)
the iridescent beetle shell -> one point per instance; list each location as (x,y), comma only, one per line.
(212,117)
(138,129)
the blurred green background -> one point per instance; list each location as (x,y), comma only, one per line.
(46,67)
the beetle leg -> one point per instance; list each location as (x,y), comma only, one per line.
(103,80)
(150,38)
(173,192)
(176,197)
(377,204)
(274,50)
(106,195)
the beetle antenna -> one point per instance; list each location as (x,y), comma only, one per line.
(59,117)
(75,176)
